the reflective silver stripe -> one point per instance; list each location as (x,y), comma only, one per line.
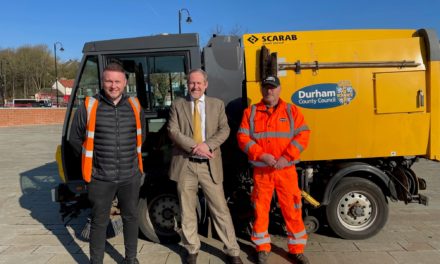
(259,235)
(292,122)
(297,235)
(243,130)
(139,149)
(297,145)
(135,102)
(258,163)
(92,101)
(301,129)
(291,241)
(261,164)
(291,163)
(261,241)
(251,121)
(289,134)
(300,234)
(139,131)
(297,206)
(248,146)
(272,135)
(88,154)
(90,134)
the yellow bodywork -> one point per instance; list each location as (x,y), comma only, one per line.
(59,160)
(393,111)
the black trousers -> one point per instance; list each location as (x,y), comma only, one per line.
(101,194)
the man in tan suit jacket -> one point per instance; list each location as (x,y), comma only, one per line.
(196,160)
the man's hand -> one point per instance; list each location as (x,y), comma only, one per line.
(281,163)
(202,149)
(268,159)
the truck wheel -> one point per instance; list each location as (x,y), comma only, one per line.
(357,210)
(157,218)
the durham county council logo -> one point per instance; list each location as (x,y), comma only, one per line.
(344,92)
(324,95)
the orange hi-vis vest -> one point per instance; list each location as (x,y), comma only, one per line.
(91,104)
(280,133)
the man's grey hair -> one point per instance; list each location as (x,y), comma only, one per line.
(205,75)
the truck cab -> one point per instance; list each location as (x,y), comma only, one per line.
(156,68)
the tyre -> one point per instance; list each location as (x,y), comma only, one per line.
(311,224)
(158,218)
(358,209)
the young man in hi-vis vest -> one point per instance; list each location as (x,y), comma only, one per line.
(108,130)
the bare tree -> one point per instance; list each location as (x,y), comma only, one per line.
(28,69)
(236,30)
(217,30)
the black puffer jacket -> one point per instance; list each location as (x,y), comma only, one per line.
(114,156)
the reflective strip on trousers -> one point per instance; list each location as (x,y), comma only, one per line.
(292,241)
(261,241)
(297,235)
(259,235)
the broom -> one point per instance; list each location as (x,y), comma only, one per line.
(114,227)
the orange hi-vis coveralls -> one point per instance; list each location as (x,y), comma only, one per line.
(279,131)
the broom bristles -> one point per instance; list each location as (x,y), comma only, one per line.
(85,233)
(114,228)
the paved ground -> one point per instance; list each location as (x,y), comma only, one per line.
(31,230)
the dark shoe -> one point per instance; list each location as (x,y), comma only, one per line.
(130,261)
(299,258)
(234,260)
(191,258)
(262,257)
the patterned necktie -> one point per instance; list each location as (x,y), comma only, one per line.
(197,122)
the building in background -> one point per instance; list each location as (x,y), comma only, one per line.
(64,90)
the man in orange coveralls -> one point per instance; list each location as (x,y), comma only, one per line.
(272,134)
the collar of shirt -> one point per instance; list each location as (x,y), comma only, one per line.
(201,99)
(262,107)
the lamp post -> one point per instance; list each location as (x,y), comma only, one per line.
(1,82)
(3,64)
(56,71)
(188,19)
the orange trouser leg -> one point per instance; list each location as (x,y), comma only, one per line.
(289,198)
(261,198)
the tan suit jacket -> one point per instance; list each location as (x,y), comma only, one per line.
(180,130)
